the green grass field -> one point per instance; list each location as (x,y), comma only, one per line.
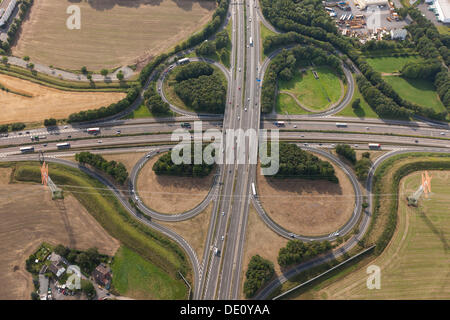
(136,277)
(287,105)
(415,264)
(390,64)
(155,248)
(364,112)
(314,93)
(265,32)
(421,92)
(444,30)
(141,112)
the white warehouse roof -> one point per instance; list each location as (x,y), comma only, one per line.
(364,3)
(443,9)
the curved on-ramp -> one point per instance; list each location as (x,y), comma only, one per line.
(347,227)
(161,216)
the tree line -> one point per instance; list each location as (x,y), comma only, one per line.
(297,163)
(165,166)
(17,126)
(113,168)
(112,109)
(347,152)
(259,271)
(297,251)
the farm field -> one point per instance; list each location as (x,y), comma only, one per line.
(137,278)
(313,93)
(415,263)
(390,64)
(416,90)
(33,102)
(171,194)
(29,217)
(112,33)
(307,207)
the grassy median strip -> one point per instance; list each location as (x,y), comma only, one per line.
(157,249)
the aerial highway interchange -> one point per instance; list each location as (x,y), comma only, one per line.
(219,274)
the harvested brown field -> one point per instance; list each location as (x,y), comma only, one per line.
(268,249)
(128,159)
(46,102)
(307,207)
(113,33)
(29,217)
(194,230)
(170,194)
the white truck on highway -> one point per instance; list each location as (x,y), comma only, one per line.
(374,146)
(341,125)
(251,41)
(254,190)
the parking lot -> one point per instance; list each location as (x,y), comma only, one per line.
(374,18)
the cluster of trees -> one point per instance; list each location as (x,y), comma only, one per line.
(297,251)
(373,45)
(17,126)
(429,42)
(259,271)
(422,70)
(347,152)
(285,64)
(193,70)
(362,166)
(115,169)
(297,163)
(50,122)
(208,48)
(165,166)
(87,260)
(110,110)
(442,84)
(203,93)
(154,102)
(24,6)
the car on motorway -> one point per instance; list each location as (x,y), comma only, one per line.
(44,144)
(65,127)
(223,212)
(295,126)
(239,118)
(245,109)
(239,69)
(442,133)
(69,136)
(416,141)
(367,128)
(148,156)
(118,132)
(222,237)
(99,141)
(291,235)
